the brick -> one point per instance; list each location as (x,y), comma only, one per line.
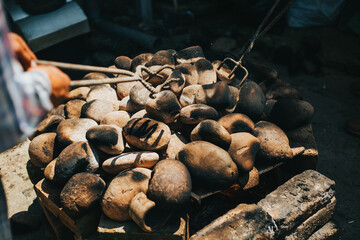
(298,199)
(330,231)
(305,229)
(246,221)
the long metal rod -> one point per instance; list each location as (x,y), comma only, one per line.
(85,68)
(90,82)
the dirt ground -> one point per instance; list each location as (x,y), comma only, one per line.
(327,89)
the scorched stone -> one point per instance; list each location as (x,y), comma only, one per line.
(116,164)
(274,144)
(195,113)
(74,130)
(118,118)
(170,184)
(104,92)
(211,131)
(73,108)
(108,138)
(96,109)
(209,163)
(42,149)
(75,158)
(147,134)
(121,190)
(237,122)
(81,194)
(164,107)
(243,150)
(251,100)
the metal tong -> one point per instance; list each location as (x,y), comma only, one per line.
(126,76)
(261,30)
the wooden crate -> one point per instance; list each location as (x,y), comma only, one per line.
(63,225)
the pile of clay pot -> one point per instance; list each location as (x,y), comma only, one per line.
(137,154)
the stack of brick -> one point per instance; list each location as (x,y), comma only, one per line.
(299,209)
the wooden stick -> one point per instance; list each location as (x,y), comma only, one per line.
(90,82)
(85,68)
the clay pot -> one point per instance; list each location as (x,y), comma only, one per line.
(122,189)
(146,214)
(43,149)
(81,194)
(96,109)
(104,92)
(116,164)
(118,118)
(170,184)
(243,150)
(164,107)
(237,122)
(147,134)
(73,130)
(209,164)
(73,108)
(189,55)
(195,113)
(107,138)
(79,93)
(211,131)
(251,100)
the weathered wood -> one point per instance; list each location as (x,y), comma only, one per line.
(175,229)
(298,199)
(246,221)
(330,231)
(305,229)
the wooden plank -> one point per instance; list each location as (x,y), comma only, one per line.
(175,229)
